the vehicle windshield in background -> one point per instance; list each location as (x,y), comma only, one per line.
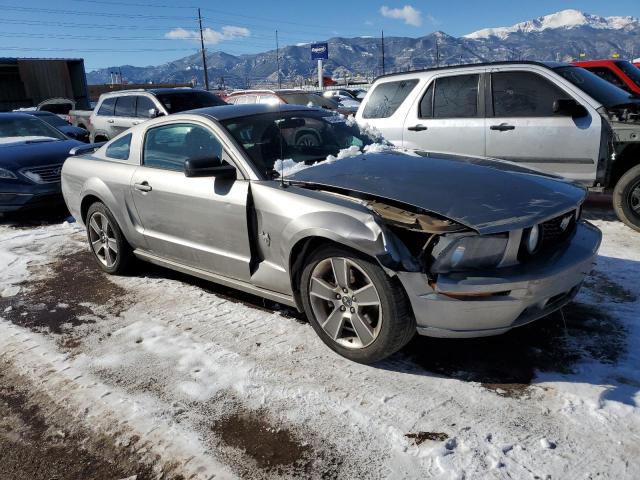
(307,137)
(57,108)
(308,98)
(54,120)
(176,102)
(604,92)
(630,71)
(18,130)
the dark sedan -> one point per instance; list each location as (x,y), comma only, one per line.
(54,120)
(31,156)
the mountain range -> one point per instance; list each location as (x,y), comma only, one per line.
(561,36)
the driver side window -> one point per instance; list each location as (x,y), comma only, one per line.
(167,147)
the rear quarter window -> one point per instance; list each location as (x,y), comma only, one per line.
(107,107)
(119,149)
(387,97)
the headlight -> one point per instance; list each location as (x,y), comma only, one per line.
(532,239)
(6,174)
(471,252)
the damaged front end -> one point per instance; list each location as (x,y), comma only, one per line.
(468,284)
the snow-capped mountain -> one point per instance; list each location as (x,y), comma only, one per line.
(565,19)
(562,36)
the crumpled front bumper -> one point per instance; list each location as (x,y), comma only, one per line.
(479,304)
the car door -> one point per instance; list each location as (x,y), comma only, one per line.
(522,127)
(198,222)
(448,117)
(385,107)
(125,115)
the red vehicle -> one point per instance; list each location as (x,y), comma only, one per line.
(621,73)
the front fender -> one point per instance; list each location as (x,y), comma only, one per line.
(364,235)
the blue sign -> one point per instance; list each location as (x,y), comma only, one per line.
(319,51)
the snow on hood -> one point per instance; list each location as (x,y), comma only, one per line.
(289,166)
(14,140)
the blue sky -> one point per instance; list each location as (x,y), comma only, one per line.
(148,32)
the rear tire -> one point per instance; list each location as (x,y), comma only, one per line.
(364,316)
(626,198)
(110,249)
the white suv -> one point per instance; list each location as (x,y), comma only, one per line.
(555,118)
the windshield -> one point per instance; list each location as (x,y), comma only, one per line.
(30,129)
(604,92)
(304,137)
(630,70)
(176,102)
(54,120)
(308,98)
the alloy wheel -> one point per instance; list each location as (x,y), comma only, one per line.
(102,239)
(345,302)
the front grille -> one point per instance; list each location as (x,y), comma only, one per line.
(43,174)
(552,233)
(557,229)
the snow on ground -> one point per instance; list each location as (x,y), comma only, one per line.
(181,360)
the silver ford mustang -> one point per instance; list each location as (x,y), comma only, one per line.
(372,247)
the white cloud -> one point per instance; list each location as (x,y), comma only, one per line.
(210,36)
(410,15)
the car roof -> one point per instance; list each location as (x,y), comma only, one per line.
(549,65)
(226,112)
(153,91)
(26,114)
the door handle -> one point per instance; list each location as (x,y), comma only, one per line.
(111,120)
(143,187)
(135,123)
(417,128)
(503,127)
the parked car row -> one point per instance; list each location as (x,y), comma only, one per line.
(292,97)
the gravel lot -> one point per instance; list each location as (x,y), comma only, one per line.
(158,375)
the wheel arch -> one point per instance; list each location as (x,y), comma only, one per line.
(627,159)
(304,248)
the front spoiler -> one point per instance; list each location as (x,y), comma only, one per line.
(505,298)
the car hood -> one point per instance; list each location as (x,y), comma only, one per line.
(19,155)
(70,129)
(489,196)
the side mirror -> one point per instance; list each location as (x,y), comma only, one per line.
(154,112)
(569,107)
(209,167)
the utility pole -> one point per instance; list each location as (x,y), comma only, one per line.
(383,69)
(278,61)
(437,53)
(204,57)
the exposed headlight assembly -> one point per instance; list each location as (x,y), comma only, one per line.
(6,174)
(469,252)
(532,239)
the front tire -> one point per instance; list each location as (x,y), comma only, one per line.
(354,307)
(626,198)
(109,247)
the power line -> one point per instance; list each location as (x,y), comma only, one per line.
(206,9)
